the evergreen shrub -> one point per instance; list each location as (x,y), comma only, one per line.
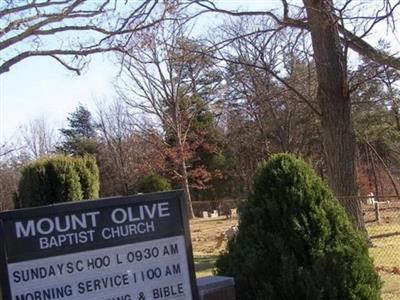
(89,176)
(295,241)
(154,182)
(56,179)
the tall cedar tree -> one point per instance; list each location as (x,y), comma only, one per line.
(295,241)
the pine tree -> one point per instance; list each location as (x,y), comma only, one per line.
(80,136)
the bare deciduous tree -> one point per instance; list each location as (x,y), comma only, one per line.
(6,149)
(332,33)
(9,174)
(68,30)
(38,138)
(9,177)
(165,78)
(125,154)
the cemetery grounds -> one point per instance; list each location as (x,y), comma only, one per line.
(208,238)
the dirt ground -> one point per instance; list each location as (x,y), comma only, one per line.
(206,235)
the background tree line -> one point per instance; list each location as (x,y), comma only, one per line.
(203,110)
(250,117)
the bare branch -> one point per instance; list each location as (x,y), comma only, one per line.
(31,5)
(5,67)
(365,49)
(72,27)
(285,21)
(355,42)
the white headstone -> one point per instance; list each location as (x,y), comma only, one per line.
(371,198)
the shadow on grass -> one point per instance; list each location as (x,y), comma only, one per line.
(384,235)
(204,263)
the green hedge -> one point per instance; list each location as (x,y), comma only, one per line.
(154,182)
(56,179)
(295,241)
(89,177)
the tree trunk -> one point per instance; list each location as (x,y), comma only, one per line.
(185,182)
(334,100)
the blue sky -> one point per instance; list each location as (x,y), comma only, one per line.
(40,87)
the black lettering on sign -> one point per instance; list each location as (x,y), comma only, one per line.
(124,297)
(172,270)
(33,274)
(168,291)
(139,255)
(119,259)
(49,293)
(103,283)
(171,250)
(98,262)
(151,274)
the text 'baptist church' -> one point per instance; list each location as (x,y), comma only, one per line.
(79,228)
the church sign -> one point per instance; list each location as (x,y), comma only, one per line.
(123,248)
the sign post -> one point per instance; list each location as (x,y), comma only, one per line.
(125,248)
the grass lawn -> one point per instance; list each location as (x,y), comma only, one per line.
(386,253)
(385,250)
(204,265)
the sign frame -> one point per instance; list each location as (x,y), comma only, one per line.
(98,204)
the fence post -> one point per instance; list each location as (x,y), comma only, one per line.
(377,213)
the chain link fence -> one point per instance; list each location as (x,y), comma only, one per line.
(381,216)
